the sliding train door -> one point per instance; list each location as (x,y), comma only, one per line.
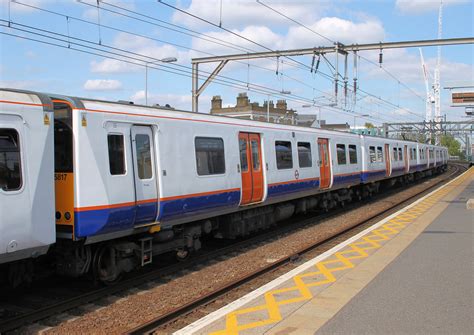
(324,163)
(251,168)
(388,162)
(146,193)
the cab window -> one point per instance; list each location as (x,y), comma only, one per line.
(10,161)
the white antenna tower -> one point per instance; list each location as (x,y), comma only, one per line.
(436,84)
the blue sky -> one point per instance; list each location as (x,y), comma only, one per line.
(31,65)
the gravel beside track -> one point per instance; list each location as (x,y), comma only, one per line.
(147,302)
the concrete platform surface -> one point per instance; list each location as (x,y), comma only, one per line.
(409,273)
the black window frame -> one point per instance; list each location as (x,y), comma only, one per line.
(278,155)
(372,154)
(338,154)
(379,150)
(5,172)
(123,171)
(308,160)
(354,148)
(212,169)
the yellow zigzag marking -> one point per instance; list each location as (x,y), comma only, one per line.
(325,270)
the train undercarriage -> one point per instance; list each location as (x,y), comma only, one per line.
(106,262)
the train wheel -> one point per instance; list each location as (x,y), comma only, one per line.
(105,265)
(182,254)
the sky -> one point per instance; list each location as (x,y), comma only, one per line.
(146,31)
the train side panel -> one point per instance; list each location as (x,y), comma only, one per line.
(26,176)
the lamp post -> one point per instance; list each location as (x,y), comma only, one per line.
(163,60)
(356,116)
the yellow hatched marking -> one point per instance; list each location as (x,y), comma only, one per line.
(327,268)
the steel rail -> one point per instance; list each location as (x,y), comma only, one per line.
(152,325)
(154,275)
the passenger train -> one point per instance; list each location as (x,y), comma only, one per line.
(104,187)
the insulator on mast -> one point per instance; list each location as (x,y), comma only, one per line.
(380,58)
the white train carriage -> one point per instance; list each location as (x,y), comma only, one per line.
(150,180)
(26,175)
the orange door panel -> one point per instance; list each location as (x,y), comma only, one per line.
(388,169)
(245,169)
(257,171)
(324,166)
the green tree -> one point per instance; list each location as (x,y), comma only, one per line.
(454,147)
(369,125)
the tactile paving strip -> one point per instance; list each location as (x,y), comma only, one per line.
(275,304)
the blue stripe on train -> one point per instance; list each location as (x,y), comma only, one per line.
(195,205)
(108,220)
(283,189)
(347,179)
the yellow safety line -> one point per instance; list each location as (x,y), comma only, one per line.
(325,270)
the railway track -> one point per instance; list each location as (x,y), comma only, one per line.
(95,295)
(153,325)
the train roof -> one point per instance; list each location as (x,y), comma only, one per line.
(132,108)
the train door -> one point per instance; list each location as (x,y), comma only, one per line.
(146,195)
(251,167)
(405,156)
(324,164)
(388,161)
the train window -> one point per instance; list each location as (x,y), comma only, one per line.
(395,154)
(284,155)
(244,165)
(304,154)
(10,162)
(341,154)
(142,146)
(400,154)
(372,154)
(116,154)
(352,154)
(210,157)
(255,155)
(379,154)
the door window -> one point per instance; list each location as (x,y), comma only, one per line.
(243,155)
(255,155)
(10,162)
(144,167)
(116,154)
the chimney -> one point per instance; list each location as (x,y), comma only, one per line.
(281,104)
(216,102)
(242,100)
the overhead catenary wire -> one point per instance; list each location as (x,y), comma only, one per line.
(153,39)
(265,93)
(274,93)
(330,40)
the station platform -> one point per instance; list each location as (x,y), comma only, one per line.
(412,272)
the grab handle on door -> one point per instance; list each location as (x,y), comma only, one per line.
(238,168)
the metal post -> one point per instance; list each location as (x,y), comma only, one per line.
(355,80)
(195,97)
(146,84)
(336,72)
(345,80)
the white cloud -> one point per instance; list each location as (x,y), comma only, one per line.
(143,48)
(422,6)
(407,67)
(102,85)
(241,13)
